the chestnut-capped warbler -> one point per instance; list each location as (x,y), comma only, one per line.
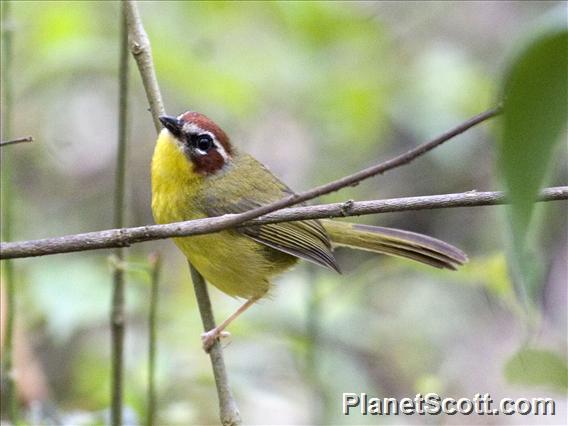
(197,172)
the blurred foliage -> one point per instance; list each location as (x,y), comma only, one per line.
(536,111)
(535,91)
(315,90)
(537,368)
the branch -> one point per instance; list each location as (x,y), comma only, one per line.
(18,140)
(117,314)
(155,264)
(355,178)
(124,237)
(11,407)
(229,412)
(140,46)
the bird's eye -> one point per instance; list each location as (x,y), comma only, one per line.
(204,142)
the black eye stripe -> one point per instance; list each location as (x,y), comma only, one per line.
(202,141)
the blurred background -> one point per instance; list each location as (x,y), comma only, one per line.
(315,90)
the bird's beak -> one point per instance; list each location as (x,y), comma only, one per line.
(172,124)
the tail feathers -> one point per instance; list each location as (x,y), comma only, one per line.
(395,242)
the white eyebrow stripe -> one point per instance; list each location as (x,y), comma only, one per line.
(193,128)
(220,149)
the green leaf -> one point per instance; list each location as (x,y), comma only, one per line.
(535,367)
(536,109)
(535,93)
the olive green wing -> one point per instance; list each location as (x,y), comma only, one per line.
(304,239)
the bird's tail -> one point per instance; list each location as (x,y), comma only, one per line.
(395,242)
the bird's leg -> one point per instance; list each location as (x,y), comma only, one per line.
(208,338)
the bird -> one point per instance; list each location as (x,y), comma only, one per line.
(197,172)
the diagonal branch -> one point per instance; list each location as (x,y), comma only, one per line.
(123,237)
(355,178)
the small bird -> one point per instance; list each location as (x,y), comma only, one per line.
(197,173)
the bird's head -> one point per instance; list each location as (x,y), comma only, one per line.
(202,141)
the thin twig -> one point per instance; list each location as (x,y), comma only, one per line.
(7,217)
(18,140)
(155,264)
(312,371)
(117,319)
(355,178)
(141,50)
(123,237)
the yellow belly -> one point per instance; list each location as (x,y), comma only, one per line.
(235,264)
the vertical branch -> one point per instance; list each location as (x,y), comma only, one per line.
(312,369)
(141,50)
(229,411)
(117,310)
(155,263)
(7,216)
(312,334)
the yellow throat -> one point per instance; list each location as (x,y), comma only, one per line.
(174,182)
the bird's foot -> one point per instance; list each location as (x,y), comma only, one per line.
(210,337)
